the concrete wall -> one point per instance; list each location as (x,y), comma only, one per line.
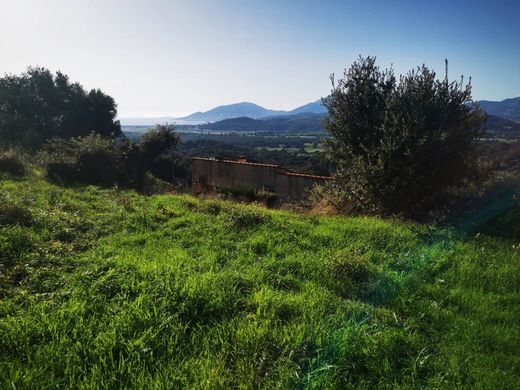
(294,186)
(208,174)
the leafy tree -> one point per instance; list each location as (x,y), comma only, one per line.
(37,106)
(163,139)
(160,139)
(399,144)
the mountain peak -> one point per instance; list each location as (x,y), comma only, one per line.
(250,110)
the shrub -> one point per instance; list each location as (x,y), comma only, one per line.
(399,145)
(93,159)
(11,165)
(168,168)
(154,153)
(160,139)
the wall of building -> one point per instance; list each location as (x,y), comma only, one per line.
(210,174)
(294,186)
(227,174)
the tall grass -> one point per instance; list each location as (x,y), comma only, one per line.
(110,289)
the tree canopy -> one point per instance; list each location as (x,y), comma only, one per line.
(160,139)
(399,143)
(38,105)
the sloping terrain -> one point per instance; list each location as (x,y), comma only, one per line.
(290,123)
(507,108)
(102,288)
(503,128)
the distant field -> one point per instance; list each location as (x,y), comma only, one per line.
(110,289)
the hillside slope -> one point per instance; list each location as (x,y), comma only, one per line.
(503,128)
(110,289)
(290,123)
(507,108)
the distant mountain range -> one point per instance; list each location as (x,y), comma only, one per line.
(304,122)
(250,110)
(230,111)
(508,109)
(313,122)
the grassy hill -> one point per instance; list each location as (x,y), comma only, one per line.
(303,122)
(101,288)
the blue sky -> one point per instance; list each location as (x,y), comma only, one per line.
(160,57)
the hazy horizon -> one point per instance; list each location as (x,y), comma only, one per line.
(172,58)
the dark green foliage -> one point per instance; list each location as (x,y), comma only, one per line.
(37,106)
(11,165)
(61,172)
(399,144)
(92,159)
(169,168)
(160,139)
(105,161)
(307,122)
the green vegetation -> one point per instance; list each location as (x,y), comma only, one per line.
(95,159)
(102,288)
(400,145)
(37,106)
(282,124)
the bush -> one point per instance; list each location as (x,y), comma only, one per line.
(105,161)
(11,165)
(160,139)
(401,144)
(170,169)
(93,159)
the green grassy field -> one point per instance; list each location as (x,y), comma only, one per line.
(110,289)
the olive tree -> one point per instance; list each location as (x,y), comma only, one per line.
(399,143)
